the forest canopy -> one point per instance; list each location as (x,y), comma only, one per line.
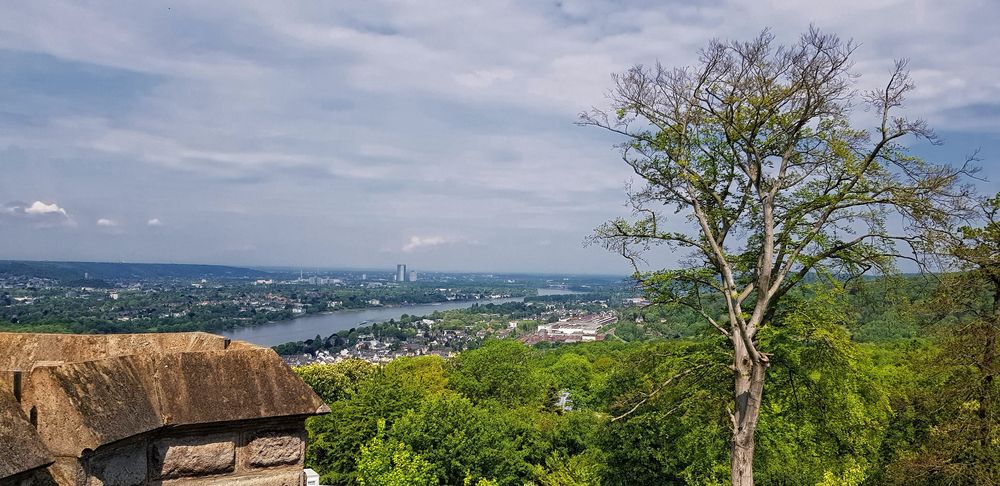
(855,398)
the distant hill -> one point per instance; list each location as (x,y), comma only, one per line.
(69,271)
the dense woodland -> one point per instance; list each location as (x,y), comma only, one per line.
(873,382)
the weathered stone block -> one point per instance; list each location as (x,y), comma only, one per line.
(194,456)
(68,470)
(271,449)
(291,478)
(123,467)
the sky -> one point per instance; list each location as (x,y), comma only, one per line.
(362,134)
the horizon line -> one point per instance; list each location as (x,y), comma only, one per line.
(278,267)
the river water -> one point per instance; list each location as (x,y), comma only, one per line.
(325,324)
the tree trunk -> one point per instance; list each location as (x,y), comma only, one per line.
(986,388)
(989,355)
(749,388)
(742,459)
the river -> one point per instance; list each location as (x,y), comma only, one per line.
(327,323)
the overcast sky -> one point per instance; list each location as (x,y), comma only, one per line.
(362,134)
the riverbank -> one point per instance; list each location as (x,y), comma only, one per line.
(325,324)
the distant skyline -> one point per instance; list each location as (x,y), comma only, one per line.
(364,134)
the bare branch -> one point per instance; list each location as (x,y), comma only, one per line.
(660,388)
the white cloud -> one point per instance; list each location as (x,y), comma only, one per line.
(154,222)
(107,223)
(38,214)
(38,208)
(420,242)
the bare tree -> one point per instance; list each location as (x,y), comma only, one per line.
(754,146)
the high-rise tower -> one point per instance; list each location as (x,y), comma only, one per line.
(401,272)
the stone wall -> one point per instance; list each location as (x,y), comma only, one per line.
(255,453)
(23,455)
(149,409)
